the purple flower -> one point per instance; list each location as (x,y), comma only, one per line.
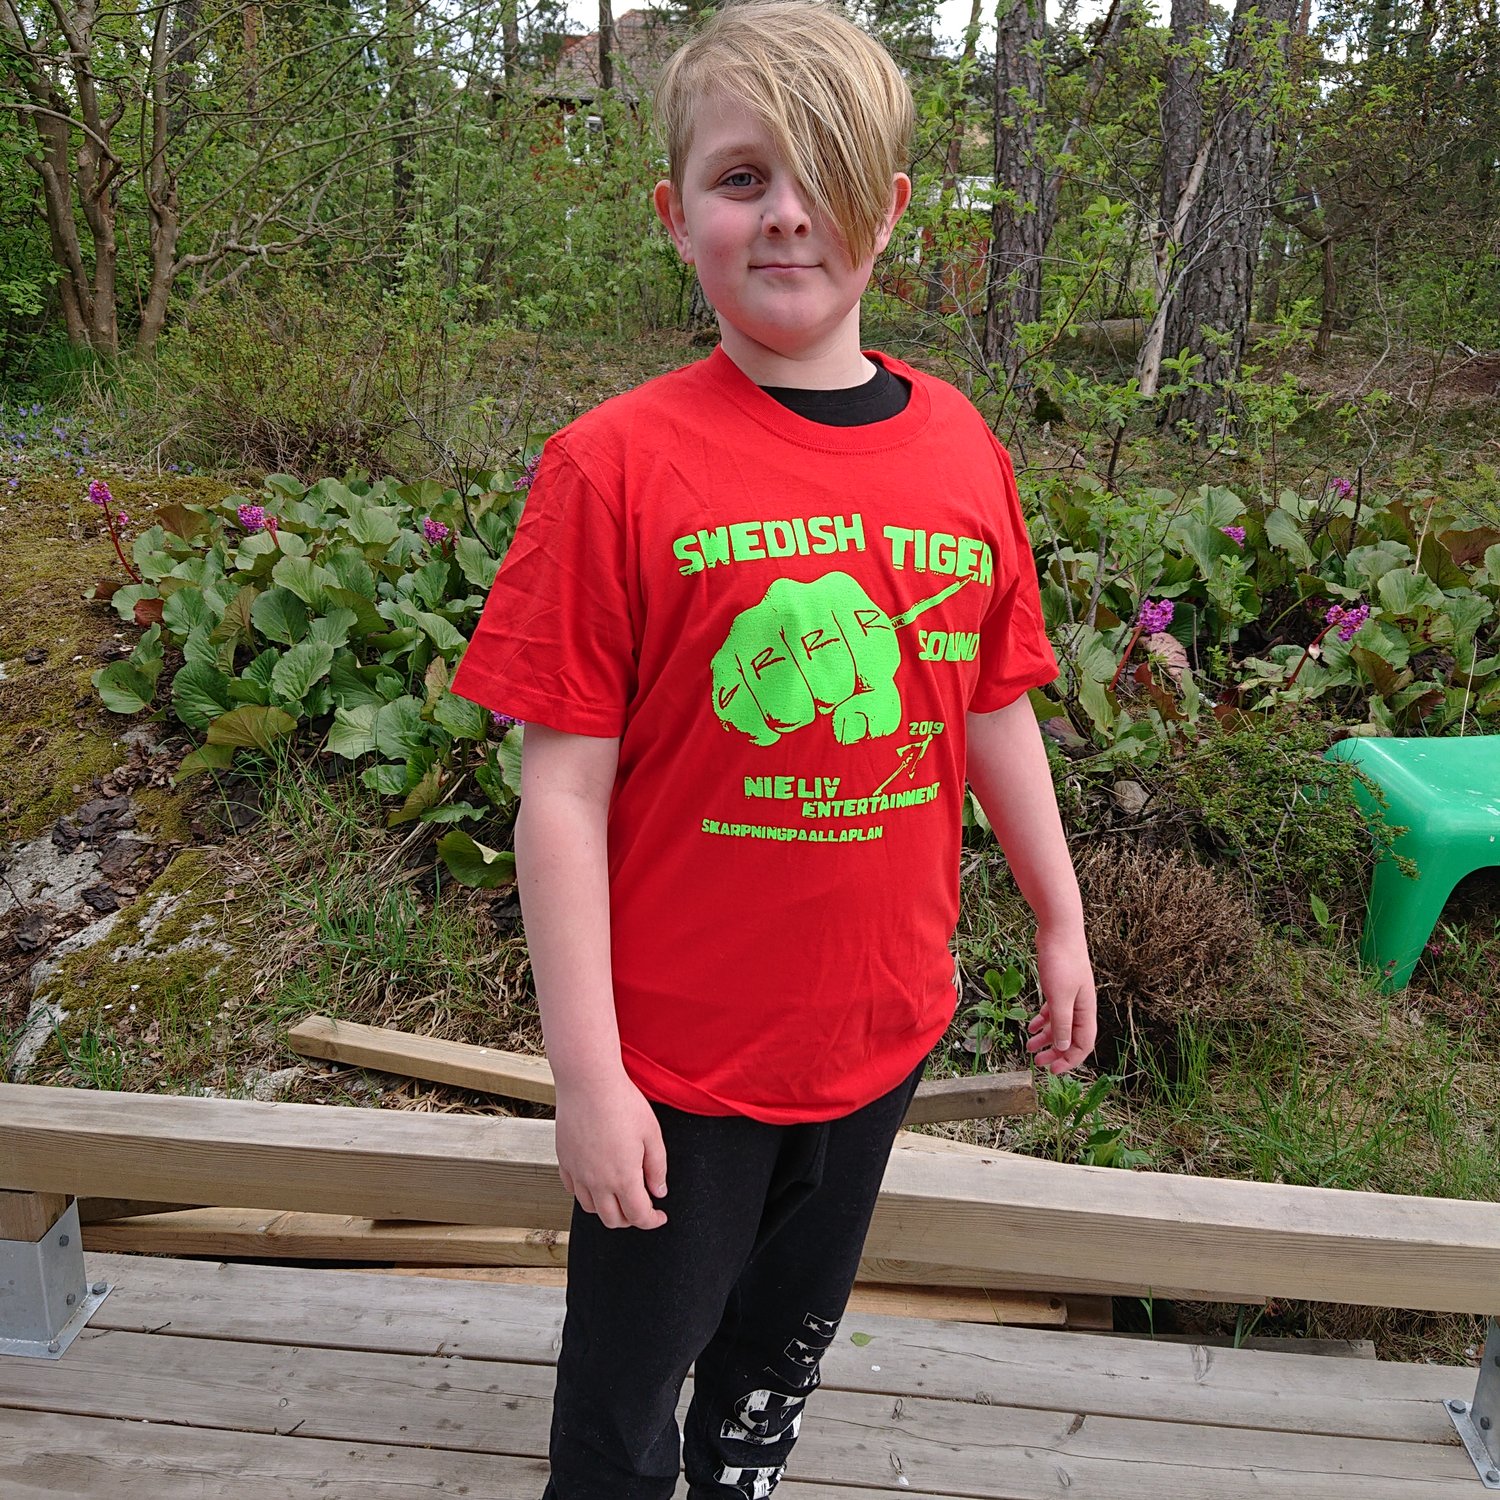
(1348,620)
(252,517)
(435,532)
(1154,617)
(99,493)
(502,722)
(1236,534)
(121,519)
(1343,488)
(528,473)
(14,484)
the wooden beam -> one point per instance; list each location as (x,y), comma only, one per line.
(1048,1223)
(978,1097)
(487,1070)
(515,1075)
(933,1304)
(28,1216)
(267,1235)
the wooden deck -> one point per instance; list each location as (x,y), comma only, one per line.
(252,1382)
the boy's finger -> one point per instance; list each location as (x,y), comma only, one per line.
(638,1210)
(654,1164)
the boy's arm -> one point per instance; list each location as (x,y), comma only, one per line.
(609,1145)
(1009,773)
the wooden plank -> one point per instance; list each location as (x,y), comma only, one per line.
(944,1447)
(265,1234)
(28,1216)
(48,1457)
(517,1075)
(102,1210)
(487,1070)
(935,1304)
(1025,1220)
(979,1097)
(1085,1372)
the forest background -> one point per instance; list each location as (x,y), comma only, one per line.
(302,287)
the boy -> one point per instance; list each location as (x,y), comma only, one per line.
(759,616)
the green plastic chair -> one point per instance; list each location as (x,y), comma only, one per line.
(1446,793)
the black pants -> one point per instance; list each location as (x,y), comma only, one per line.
(749,1277)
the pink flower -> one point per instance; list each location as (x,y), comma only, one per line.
(1155,616)
(121,519)
(528,474)
(1236,534)
(99,494)
(252,517)
(1348,620)
(435,532)
(1343,488)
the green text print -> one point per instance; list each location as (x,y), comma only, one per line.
(808,649)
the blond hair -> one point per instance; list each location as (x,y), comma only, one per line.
(834,102)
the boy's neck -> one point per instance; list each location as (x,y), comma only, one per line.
(835,367)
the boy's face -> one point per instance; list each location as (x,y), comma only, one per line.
(777,274)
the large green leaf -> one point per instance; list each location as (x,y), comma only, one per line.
(509,755)
(1283,533)
(352,733)
(348,684)
(123,688)
(334,627)
(186,608)
(296,672)
(348,565)
(236,622)
(461,718)
(200,693)
(427,793)
(442,634)
(366,617)
(206,758)
(371,526)
(387,780)
(475,562)
(280,615)
(399,730)
(305,579)
(1404,592)
(252,549)
(126,598)
(251,726)
(475,864)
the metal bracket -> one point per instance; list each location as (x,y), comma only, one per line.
(1478,1422)
(45,1298)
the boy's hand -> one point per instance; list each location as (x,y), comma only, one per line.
(610,1154)
(1063,1032)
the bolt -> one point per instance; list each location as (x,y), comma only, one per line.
(1457,1406)
(1484,1424)
(71,1298)
(100,1288)
(62,1241)
(55,1347)
(1493,1476)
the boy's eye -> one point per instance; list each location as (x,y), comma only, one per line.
(740,179)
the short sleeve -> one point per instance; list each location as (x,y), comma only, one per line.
(554,644)
(1014,653)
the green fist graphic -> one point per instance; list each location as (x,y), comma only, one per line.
(807,649)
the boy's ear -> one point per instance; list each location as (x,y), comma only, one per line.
(668,203)
(900,198)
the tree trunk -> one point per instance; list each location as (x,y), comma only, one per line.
(606,46)
(400,22)
(510,34)
(1016,243)
(1210,314)
(936,269)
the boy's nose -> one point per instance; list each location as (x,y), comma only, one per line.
(786,211)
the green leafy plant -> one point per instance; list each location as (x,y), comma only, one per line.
(338,612)
(1077,1133)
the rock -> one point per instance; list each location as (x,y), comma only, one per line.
(1130,797)
(44,871)
(35,657)
(35,1033)
(270,1086)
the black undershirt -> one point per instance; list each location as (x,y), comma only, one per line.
(881,397)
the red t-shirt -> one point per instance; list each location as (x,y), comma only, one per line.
(784,623)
